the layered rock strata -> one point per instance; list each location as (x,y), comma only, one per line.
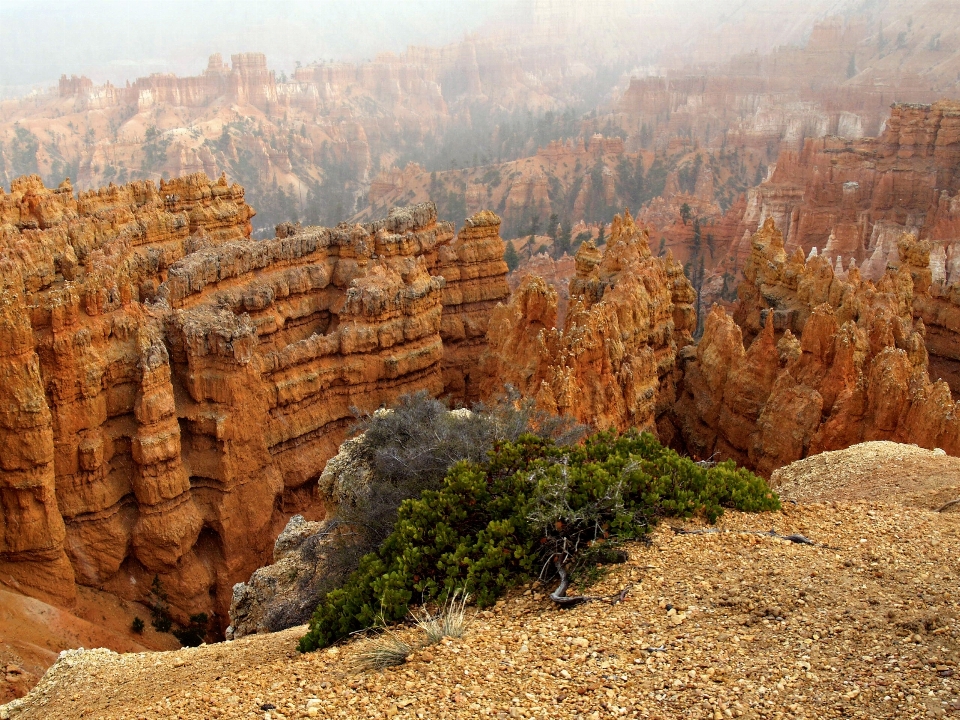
(91,471)
(475,277)
(612,361)
(834,360)
(175,388)
(852,198)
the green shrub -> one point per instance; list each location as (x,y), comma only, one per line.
(409,450)
(137,625)
(193,634)
(531,505)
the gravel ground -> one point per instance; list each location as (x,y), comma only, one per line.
(719,625)
(872,470)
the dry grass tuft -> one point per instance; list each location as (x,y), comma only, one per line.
(386,650)
(450,620)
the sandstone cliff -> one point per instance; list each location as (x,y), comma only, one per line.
(174,388)
(612,361)
(85,375)
(853,198)
(834,360)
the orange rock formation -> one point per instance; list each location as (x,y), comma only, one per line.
(173,388)
(852,199)
(850,363)
(612,361)
(557,273)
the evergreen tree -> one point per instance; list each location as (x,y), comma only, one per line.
(563,243)
(510,256)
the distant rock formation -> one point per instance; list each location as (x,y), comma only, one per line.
(853,198)
(612,361)
(173,388)
(557,273)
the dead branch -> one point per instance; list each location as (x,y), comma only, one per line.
(560,597)
(948,505)
(795,538)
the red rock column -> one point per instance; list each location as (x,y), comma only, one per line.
(31,529)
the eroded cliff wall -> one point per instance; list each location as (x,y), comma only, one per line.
(834,360)
(853,198)
(175,388)
(611,363)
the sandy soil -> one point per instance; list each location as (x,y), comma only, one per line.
(906,474)
(33,632)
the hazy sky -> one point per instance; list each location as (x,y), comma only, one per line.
(119,40)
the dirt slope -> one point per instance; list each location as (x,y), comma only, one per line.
(906,474)
(33,632)
(863,624)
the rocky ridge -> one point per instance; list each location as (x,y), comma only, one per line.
(830,360)
(175,388)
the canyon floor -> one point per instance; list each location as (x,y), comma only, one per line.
(730,623)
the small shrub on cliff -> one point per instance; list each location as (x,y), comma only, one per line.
(159,609)
(195,633)
(530,506)
(408,450)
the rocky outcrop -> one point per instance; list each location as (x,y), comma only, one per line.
(557,273)
(285,592)
(834,360)
(175,388)
(790,287)
(612,362)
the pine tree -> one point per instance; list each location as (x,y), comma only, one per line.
(563,243)
(510,256)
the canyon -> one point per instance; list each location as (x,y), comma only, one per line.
(752,253)
(174,388)
(338,140)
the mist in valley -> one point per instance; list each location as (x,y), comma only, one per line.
(339,110)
